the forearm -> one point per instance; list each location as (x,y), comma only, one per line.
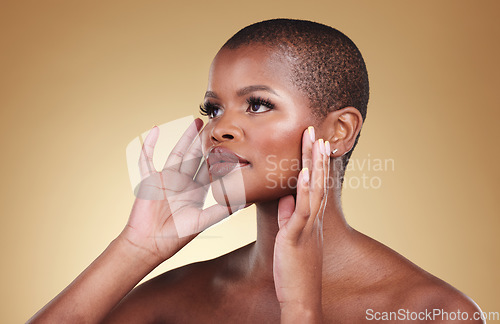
(306,305)
(303,314)
(92,295)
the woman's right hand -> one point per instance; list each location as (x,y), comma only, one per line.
(167,214)
(168,210)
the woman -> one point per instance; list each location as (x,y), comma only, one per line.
(294,91)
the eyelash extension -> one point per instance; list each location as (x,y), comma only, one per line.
(260,101)
(207,108)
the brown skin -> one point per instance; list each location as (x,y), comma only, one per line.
(358,272)
(278,277)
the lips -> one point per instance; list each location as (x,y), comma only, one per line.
(222,161)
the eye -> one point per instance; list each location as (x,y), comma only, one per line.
(210,109)
(259,105)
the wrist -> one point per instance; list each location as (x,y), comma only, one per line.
(301,313)
(134,253)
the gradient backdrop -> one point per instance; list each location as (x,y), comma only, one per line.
(80,79)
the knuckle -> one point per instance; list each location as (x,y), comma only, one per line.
(177,154)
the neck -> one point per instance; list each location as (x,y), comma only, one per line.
(336,237)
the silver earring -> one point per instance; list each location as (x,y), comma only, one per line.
(333,152)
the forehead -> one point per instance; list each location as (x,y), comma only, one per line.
(250,64)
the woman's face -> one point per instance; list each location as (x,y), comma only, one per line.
(257,114)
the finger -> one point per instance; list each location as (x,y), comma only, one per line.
(317,176)
(146,166)
(192,158)
(286,207)
(326,186)
(327,167)
(299,218)
(308,138)
(175,157)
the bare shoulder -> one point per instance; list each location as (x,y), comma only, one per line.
(419,291)
(170,294)
(439,301)
(178,295)
(423,302)
(385,286)
(420,294)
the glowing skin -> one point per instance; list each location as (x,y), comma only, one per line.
(311,270)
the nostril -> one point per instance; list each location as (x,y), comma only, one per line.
(228,136)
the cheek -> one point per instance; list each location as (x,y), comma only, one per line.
(230,191)
(283,147)
(281,175)
(281,159)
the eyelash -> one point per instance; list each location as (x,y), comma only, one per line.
(260,101)
(207,108)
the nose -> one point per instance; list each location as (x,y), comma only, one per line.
(226,128)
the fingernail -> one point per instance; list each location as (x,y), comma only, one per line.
(327,148)
(321,146)
(198,123)
(310,129)
(305,175)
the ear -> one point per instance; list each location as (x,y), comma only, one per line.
(341,127)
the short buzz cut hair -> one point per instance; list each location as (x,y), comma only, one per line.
(326,65)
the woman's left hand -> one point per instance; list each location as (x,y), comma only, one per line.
(298,251)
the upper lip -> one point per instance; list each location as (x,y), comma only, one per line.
(220,154)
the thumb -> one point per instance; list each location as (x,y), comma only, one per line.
(286,207)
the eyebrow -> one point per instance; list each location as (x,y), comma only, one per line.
(244,91)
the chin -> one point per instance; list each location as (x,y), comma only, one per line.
(229,191)
(236,199)
(235,190)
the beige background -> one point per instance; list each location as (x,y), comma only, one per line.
(80,79)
